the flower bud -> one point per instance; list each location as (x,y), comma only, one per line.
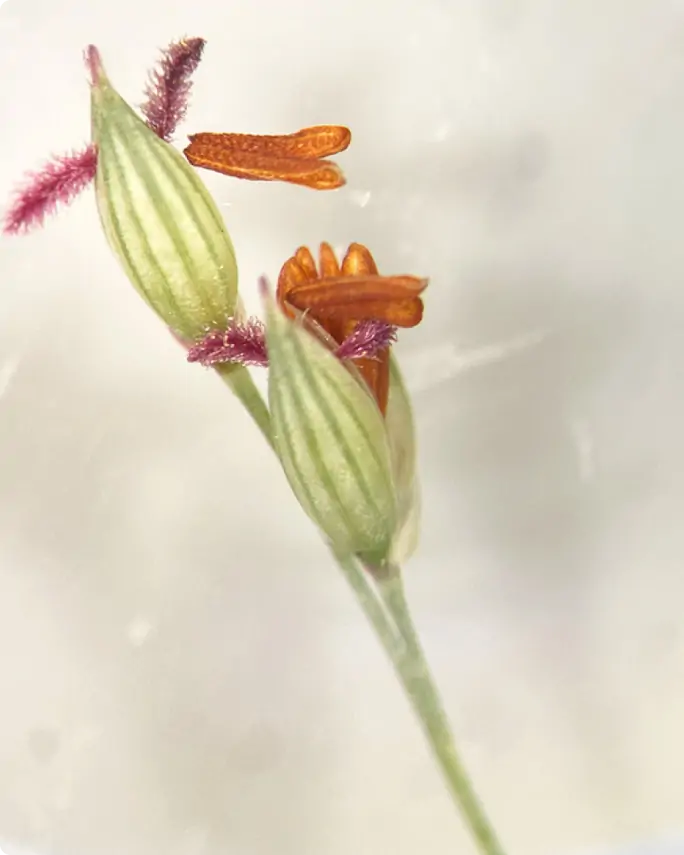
(331,440)
(159,218)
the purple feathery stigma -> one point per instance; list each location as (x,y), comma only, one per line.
(244,343)
(64,177)
(57,183)
(168,87)
(368,338)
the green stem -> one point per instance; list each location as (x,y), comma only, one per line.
(422,691)
(384,604)
(375,610)
(238,378)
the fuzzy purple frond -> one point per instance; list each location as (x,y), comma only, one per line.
(368,338)
(168,87)
(57,183)
(240,342)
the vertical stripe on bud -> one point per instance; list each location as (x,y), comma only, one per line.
(402,439)
(159,219)
(331,440)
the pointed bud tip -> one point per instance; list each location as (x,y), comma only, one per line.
(93,63)
(264,288)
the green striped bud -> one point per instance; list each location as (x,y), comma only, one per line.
(160,220)
(331,439)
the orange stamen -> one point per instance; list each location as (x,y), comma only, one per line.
(295,158)
(358,261)
(327,262)
(307,263)
(393,299)
(317,141)
(338,296)
(375,371)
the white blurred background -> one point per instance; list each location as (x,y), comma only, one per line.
(182,670)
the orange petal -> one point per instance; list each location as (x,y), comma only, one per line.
(307,172)
(393,299)
(317,141)
(358,261)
